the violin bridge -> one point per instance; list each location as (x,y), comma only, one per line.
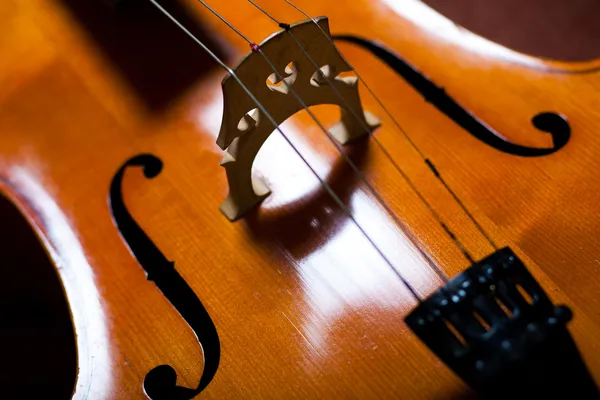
(496,328)
(244,129)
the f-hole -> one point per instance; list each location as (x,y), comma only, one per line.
(548,122)
(160,382)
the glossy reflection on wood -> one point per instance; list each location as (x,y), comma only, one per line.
(303,305)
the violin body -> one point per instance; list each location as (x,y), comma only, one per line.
(302,305)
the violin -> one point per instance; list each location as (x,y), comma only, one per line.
(297,199)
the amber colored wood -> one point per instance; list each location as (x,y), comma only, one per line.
(303,305)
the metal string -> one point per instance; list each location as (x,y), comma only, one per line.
(405,176)
(276,126)
(402,131)
(340,150)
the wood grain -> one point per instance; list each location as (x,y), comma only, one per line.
(303,305)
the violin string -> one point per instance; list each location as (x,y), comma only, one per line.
(325,185)
(347,159)
(364,125)
(362,122)
(399,127)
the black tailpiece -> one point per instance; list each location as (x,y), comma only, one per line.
(496,328)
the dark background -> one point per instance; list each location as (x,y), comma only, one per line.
(559,29)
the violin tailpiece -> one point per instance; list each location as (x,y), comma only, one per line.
(496,328)
(244,129)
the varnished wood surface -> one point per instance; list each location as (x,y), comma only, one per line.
(303,306)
